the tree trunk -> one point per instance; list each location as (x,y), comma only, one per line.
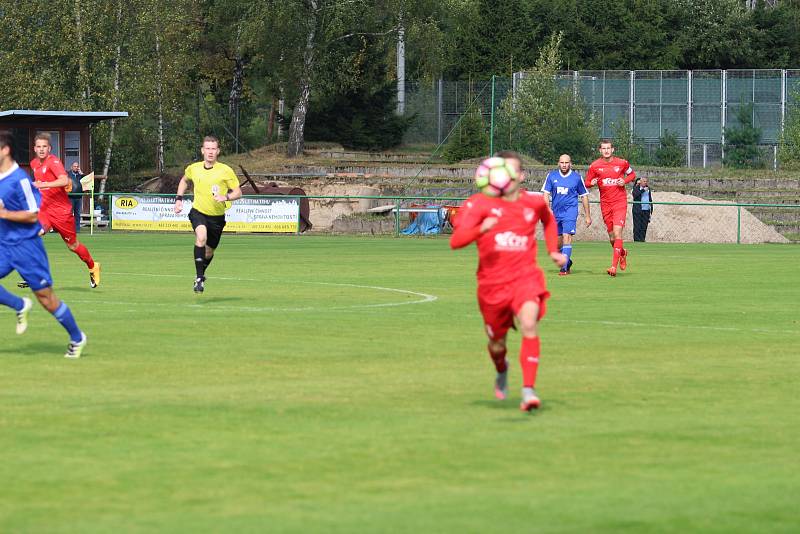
(271,119)
(160,95)
(82,71)
(114,102)
(296,129)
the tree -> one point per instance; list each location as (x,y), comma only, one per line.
(543,118)
(670,153)
(741,141)
(789,147)
(469,139)
(627,145)
(362,117)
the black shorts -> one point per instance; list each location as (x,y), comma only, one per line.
(213,223)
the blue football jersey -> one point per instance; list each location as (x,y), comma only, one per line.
(564,192)
(18,194)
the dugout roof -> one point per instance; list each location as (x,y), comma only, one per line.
(61,117)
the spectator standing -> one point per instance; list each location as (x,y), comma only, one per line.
(76,194)
(642,208)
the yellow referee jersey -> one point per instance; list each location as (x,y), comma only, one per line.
(217,180)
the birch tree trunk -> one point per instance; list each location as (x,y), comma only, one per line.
(86,93)
(296,142)
(160,95)
(114,102)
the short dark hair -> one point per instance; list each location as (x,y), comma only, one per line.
(7,141)
(210,139)
(606,141)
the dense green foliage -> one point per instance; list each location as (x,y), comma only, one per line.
(543,119)
(741,141)
(470,139)
(363,116)
(670,153)
(190,67)
(305,397)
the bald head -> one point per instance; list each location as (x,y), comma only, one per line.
(565,164)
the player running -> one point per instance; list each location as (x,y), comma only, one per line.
(21,249)
(56,211)
(562,188)
(610,174)
(215,185)
(510,284)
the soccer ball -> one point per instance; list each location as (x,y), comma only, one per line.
(494,176)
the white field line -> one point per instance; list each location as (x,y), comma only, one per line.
(675,326)
(424,297)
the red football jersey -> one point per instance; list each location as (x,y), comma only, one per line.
(48,171)
(507,251)
(607,173)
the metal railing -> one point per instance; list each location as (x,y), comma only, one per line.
(676,222)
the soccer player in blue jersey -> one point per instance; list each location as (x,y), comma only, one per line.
(562,188)
(21,249)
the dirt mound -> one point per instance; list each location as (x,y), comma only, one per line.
(707,222)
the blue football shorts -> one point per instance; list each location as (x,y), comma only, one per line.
(567,226)
(29,259)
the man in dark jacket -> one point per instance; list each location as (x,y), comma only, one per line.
(642,208)
(76,193)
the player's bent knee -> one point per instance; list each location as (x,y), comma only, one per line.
(47,298)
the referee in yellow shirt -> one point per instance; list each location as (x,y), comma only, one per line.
(215,185)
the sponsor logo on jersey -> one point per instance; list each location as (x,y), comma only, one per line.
(562,190)
(497,212)
(610,181)
(510,241)
(616,169)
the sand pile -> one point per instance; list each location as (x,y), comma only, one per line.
(706,223)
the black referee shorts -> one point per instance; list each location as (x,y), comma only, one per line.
(213,223)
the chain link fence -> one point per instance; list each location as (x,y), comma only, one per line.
(695,106)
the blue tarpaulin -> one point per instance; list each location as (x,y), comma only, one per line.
(426,223)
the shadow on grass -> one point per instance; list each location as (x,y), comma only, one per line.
(216,300)
(512,406)
(36,349)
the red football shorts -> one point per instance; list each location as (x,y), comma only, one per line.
(614,215)
(61,221)
(500,303)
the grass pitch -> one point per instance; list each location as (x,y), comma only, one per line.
(331,384)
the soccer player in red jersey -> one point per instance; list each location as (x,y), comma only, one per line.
(56,211)
(510,284)
(610,174)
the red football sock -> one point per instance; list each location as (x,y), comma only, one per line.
(83,254)
(499,360)
(529,360)
(618,251)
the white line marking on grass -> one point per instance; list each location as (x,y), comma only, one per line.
(425,297)
(677,326)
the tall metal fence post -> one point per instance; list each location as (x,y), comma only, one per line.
(724,110)
(491,121)
(689,120)
(439,103)
(397,217)
(738,224)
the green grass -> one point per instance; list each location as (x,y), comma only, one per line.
(286,399)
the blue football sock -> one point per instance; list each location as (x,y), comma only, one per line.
(64,316)
(10,300)
(567,251)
